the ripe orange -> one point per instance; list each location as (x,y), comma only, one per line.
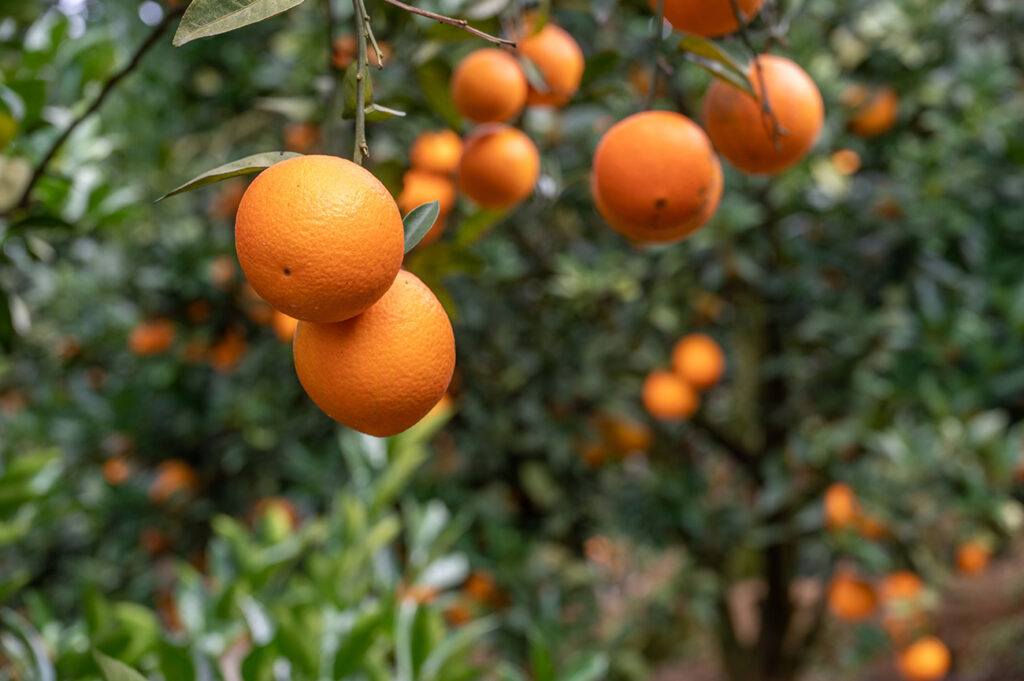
(480,587)
(902,585)
(152,337)
(558,57)
(419,187)
(668,398)
(846,161)
(698,360)
(851,598)
(284,326)
(382,371)
(744,134)
(871,527)
(489,86)
(228,351)
(709,18)
(319,237)
(972,557)
(874,112)
(172,476)
(436,152)
(499,166)
(655,176)
(927,659)
(624,435)
(841,506)
(116,470)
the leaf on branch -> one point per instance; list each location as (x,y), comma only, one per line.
(243,166)
(348,90)
(376,113)
(533,75)
(205,18)
(418,222)
(712,58)
(113,670)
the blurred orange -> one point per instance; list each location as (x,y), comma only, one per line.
(227,352)
(851,598)
(972,557)
(436,152)
(874,111)
(927,659)
(900,585)
(116,470)
(841,506)
(846,161)
(152,337)
(625,435)
(480,587)
(153,541)
(301,137)
(173,476)
(594,454)
(222,271)
(458,614)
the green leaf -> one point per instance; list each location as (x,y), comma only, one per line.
(348,89)
(243,166)
(376,113)
(418,222)
(457,643)
(205,18)
(113,670)
(433,80)
(590,668)
(710,56)
(533,75)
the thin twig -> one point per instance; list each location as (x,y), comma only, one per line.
(451,21)
(771,121)
(108,87)
(659,30)
(369,34)
(361,150)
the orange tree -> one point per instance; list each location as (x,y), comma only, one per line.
(865,297)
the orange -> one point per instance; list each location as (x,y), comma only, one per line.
(226,353)
(709,18)
(698,360)
(745,135)
(655,176)
(382,371)
(972,557)
(499,166)
(558,57)
(301,137)
(152,337)
(284,326)
(116,470)
(871,527)
(458,614)
(625,435)
(594,454)
(153,541)
(319,237)
(874,112)
(851,598)
(846,161)
(172,476)
(927,659)
(436,152)
(668,398)
(902,585)
(419,187)
(841,506)
(480,587)
(489,86)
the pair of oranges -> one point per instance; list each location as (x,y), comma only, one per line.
(697,364)
(322,241)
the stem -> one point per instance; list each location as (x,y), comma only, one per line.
(659,25)
(361,150)
(108,87)
(451,21)
(771,121)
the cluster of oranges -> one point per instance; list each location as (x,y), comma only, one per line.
(656,177)
(674,394)
(322,241)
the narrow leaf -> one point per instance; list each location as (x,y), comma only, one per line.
(713,58)
(243,166)
(533,75)
(418,222)
(376,113)
(720,72)
(113,670)
(205,18)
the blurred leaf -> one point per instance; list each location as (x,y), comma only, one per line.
(590,668)
(418,222)
(533,75)
(485,9)
(39,660)
(433,81)
(113,670)
(348,90)
(205,18)
(243,166)
(376,113)
(713,58)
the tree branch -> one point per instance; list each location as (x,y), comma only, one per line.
(771,121)
(108,87)
(451,21)
(361,149)
(739,454)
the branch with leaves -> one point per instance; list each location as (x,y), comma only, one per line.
(452,21)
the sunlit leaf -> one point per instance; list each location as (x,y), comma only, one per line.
(243,166)
(114,670)
(418,222)
(205,18)
(710,56)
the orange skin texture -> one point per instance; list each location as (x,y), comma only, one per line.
(419,187)
(382,371)
(841,506)
(172,476)
(436,152)
(499,167)
(489,86)
(900,586)
(744,135)
(668,398)
(558,57)
(877,114)
(850,598)
(698,360)
(927,659)
(972,557)
(708,18)
(319,238)
(655,177)
(152,337)
(284,326)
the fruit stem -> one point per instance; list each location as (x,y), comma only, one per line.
(452,21)
(361,150)
(772,125)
